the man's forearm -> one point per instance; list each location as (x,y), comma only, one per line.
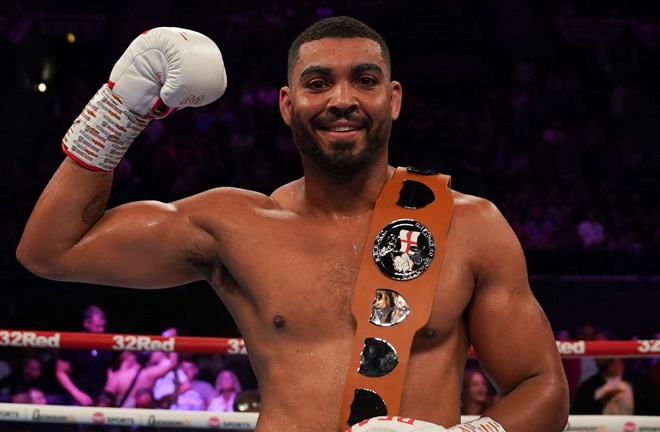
(65,381)
(536,404)
(71,203)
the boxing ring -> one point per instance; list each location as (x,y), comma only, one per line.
(105,416)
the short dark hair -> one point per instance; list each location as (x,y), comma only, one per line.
(336,27)
(92,310)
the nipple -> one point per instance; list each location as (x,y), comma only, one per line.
(278,321)
(428,333)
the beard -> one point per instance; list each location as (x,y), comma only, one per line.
(340,161)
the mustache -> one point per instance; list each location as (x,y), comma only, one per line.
(328,119)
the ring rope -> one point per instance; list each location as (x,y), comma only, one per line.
(10,412)
(109,416)
(236,346)
(121,342)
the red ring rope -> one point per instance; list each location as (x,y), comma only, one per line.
(120,342)
(236,346)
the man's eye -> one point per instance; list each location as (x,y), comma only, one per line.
(317,85)
(366,81)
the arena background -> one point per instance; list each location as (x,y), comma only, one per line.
(465,67)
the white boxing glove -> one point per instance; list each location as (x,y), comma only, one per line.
(394,424)
(168,68)
(478,425)
(163,69)
(402,424)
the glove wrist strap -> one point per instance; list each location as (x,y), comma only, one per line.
(102,133)
(479,425)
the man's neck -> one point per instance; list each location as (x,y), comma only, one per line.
(323,193)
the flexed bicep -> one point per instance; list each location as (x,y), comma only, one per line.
(72,237)
(141,245)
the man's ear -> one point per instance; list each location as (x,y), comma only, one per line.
(285,105)
(396,93)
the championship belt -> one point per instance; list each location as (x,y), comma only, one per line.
(394,292)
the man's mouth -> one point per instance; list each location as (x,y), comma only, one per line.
(341,128)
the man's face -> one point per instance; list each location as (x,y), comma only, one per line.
(95,324)
(190,369)
(128,359)
(478,388)
(341,103)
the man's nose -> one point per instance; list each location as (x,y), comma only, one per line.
(342,96)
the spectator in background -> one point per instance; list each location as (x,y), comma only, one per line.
(538,230)
(83,372)
(587,332)
(30,376)
(6,373)
(168,387)
(123,383)
(614,392)
(32,395)
(475,393)
(200,392)
(227,388)
(144,398)
(591,230)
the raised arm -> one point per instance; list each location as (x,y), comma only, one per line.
(509,330)
(70,235)
(63,375)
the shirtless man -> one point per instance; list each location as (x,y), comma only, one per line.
(123,383)
(275,260)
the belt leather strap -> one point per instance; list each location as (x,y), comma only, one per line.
(401,214)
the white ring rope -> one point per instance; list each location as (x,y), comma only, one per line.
(10,412)
(126,416)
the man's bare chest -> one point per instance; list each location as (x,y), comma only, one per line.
(306,271)
(295,267)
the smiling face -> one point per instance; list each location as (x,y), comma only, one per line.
(475,387)
(340,104)
(478,389)
(94,324)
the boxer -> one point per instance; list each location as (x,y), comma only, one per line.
(286,264)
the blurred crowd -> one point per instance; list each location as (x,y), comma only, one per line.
(168,380)
(126,379)
(601,385)
(563,144)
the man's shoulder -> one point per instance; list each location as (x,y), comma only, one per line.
(201,385)
(472,206)
(227,194)
(478,218)
(285,195)
(229,204)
